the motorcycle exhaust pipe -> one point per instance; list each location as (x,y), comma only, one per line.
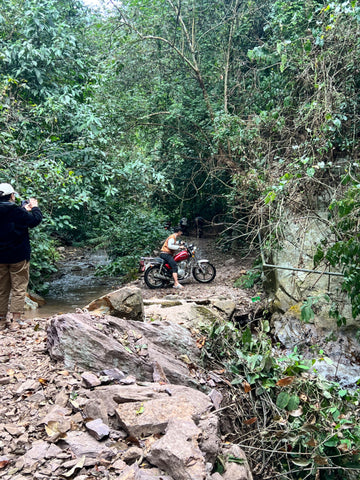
(161,277)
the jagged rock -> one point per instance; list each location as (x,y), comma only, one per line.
(216,398)
(132,454)
(81,443)
(190,315)
(178,453)
(55,414)
(114,374)
(127,302)
(96,408)
(224,305)
(27,385)
(209,441)
(119,465)
(35,455)
(235,471)
(14,430)
(112,342)
(152,416)
(90,380)
(98,429)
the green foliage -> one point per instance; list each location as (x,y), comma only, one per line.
(134,234)
(248,280)
(309,423)
(44,256)
(308,308)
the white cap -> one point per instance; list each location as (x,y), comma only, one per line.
(6,189)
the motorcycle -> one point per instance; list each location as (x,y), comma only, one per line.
(158,272)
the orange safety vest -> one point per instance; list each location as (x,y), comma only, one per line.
(165,248)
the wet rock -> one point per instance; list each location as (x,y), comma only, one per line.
(127,302)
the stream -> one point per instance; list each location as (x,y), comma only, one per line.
(75,285)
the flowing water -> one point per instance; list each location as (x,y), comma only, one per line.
(75,285)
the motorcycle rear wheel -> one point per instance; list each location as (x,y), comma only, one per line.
(150,278)
(204,273)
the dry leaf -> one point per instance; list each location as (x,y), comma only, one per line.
(10,372)
(343,448)
(3,463)
(322,461)
(284,382)
(247,387)
(63,372)
(52,428)
(296,413)
(250,421)
(43,381)
(80,464)
(200,342)
(312,442)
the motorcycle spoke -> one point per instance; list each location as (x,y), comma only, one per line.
(150,278)
(204,273)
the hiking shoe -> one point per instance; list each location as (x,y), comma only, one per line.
(178,286)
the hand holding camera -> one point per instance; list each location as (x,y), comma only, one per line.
(29,204)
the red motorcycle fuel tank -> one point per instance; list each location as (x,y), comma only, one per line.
(183,255)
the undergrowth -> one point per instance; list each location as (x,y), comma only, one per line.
(292,424)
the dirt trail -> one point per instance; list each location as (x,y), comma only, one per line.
(229,267)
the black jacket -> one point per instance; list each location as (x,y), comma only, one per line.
(14,234)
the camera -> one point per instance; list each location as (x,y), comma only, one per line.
(24,202)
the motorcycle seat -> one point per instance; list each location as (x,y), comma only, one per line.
(159,260)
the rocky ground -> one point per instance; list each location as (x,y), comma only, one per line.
(30,383)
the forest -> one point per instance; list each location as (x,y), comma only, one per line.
(122,117)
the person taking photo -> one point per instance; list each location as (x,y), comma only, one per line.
(15,251)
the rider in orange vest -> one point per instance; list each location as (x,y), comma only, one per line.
(168,250)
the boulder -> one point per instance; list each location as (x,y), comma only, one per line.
(152,416)
(187,314)
(127,302)
(110,342)
(178,451)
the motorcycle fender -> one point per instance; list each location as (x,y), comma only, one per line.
(203,261)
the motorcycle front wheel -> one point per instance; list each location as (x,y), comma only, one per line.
(150,277)
(204,272)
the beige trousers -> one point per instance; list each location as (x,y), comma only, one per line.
(14,279)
